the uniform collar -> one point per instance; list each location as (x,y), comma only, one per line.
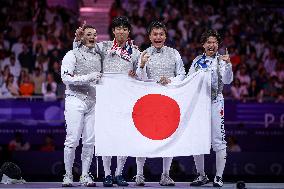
(211,57)
(155,50)
(86,49)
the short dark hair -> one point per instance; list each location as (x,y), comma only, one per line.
(121,21)
(88,26)
(156,25)
(210,33)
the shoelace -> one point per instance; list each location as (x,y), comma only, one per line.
(218,179)
(168,178)
(90,177)
(68,176)
(139,177)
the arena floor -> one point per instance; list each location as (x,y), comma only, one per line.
(149,185)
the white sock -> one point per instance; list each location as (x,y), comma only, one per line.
(220,162)
(199,164)
(69,156)
(120,164)
(86,157)
(167,161)
(140,161)
(107,164)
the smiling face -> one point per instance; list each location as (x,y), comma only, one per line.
(121,34)
(211,46)
(89,37)
(158,37)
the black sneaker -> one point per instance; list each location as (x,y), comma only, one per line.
(217,181)
(119,180)
(200,180)
(108,181)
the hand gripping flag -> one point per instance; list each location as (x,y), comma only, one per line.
(145,119)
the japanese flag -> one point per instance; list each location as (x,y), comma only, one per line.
(145,119)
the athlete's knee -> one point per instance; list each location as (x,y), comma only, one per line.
(219,147)
(71,142)
(140,159)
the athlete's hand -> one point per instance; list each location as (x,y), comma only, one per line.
(144,59)
(226,57)
(164,81)
(80,32)
(131,73)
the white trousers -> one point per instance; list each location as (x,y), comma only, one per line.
(80,122)
(217,125)
(217,138)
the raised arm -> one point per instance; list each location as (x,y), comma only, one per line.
(141,70)
(67,72)
(226,68)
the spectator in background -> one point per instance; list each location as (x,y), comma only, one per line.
(49,80)
(14,65)
(26,59)
(233,145)
(48,145)
(250,41)
(49,95)
(23,73)
(27,86)
(18,143)
(39,48)
(235,57)
(55,70)
(4,44)
(243,76)
(6,73)
(38,78)
(279,72)
(272,88)
(17,47)
(1,79)
(54,56)
(255,91)
(261,76)
(270,63)
(42,61)
(10,88)
(1,83)
(139,32)
(237,90)
(252,61)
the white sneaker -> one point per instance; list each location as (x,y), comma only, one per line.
(139,180)
(67,180)
(217,181)
(87,180)
(200,180)
(166,180)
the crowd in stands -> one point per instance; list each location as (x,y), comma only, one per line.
(34,38)
(33,41)
(251,30)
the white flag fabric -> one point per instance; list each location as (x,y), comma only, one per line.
(145,119)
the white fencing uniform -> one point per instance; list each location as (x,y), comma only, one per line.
(221,73)
(115,62)
(164,62)
(80,71)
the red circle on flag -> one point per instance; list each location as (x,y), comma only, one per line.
(156,116)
